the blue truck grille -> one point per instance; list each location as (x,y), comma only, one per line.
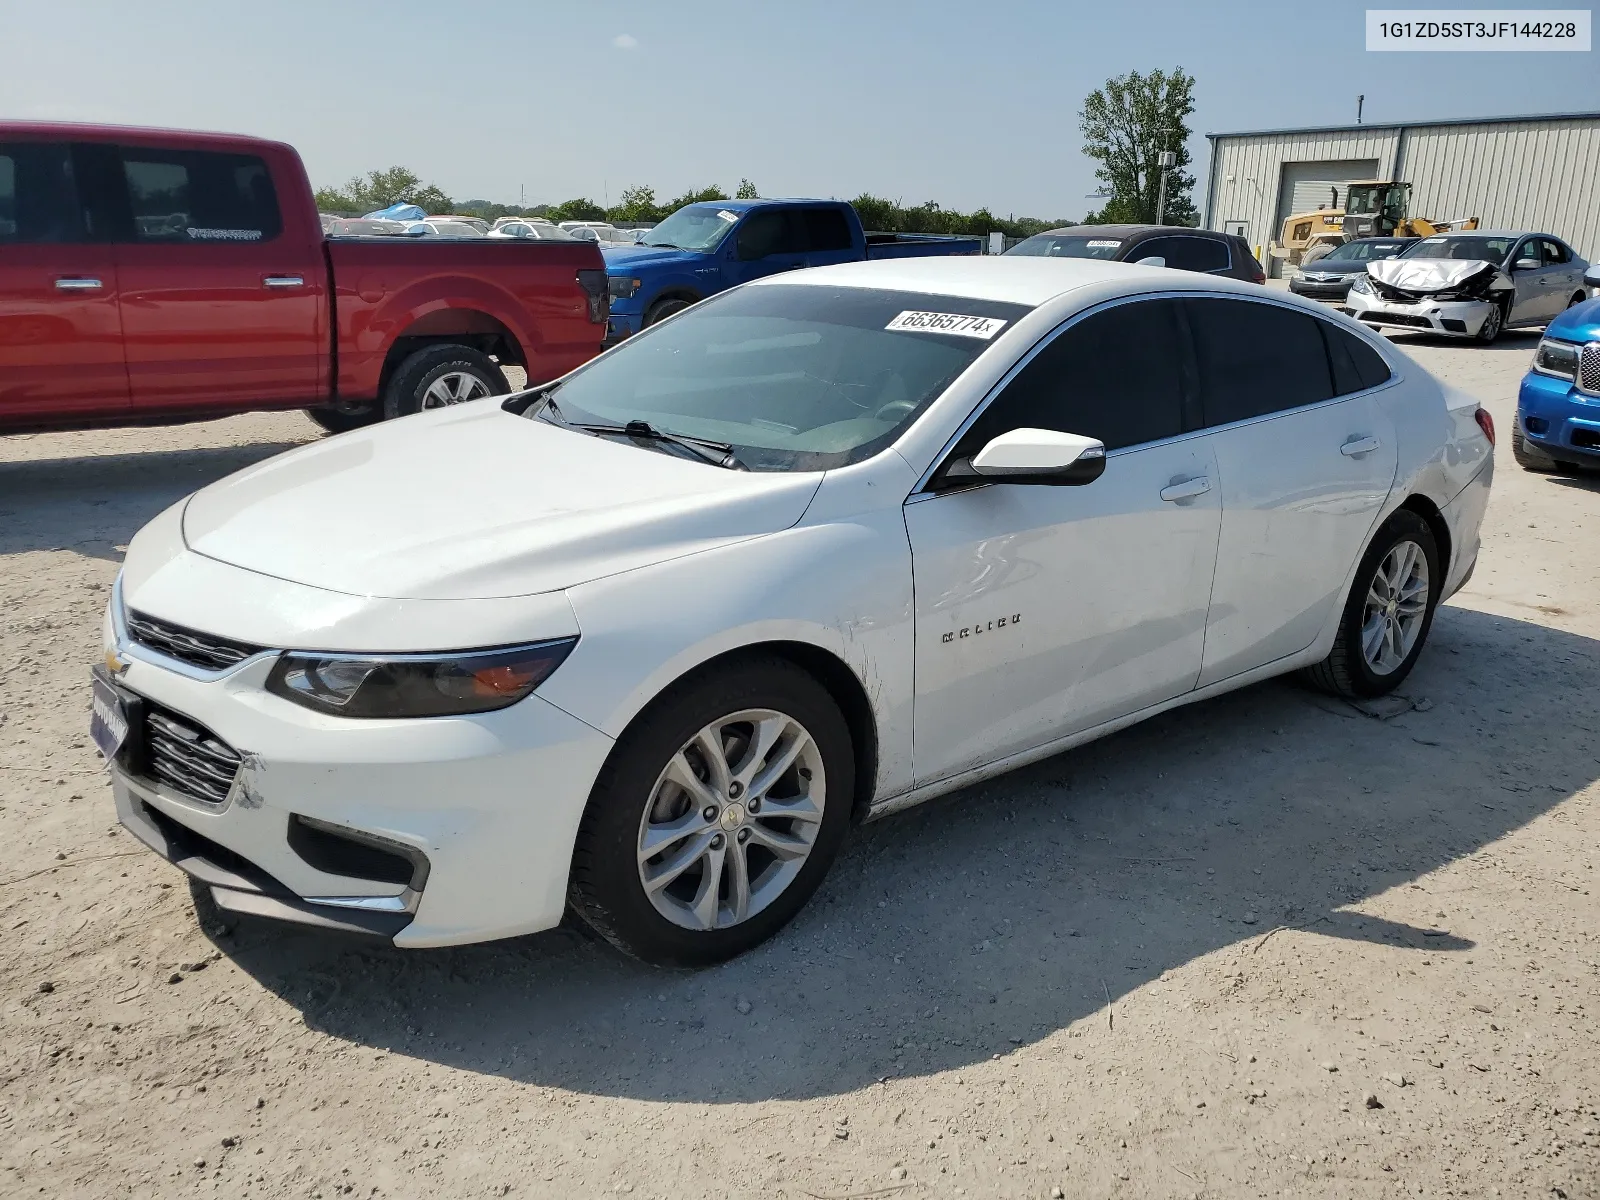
(1589,369)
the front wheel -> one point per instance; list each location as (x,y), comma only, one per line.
(1388,613)
(1493,323)
(662,309)
(716,815)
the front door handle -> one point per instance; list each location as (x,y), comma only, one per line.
(78,284)
(283,281)
(1358,446)
(1186,489)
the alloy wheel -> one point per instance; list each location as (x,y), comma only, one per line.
(1396,607)
(454,387)
(731,820)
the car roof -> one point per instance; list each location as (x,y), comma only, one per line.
(1125,231)
(1007,278)
(1493,233)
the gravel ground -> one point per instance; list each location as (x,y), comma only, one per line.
(1266,946)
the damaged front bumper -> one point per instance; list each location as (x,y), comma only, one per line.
(1449,318)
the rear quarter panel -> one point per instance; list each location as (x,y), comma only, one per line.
(387,288)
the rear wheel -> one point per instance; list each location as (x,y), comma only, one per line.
(439,376)
(716,816)
(1388,613)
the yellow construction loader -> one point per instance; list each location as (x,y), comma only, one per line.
(1372,208)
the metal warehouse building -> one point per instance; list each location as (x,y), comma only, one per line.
(1532,172)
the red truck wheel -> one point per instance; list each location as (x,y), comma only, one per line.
(436,376)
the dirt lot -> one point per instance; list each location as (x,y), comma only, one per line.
(1266,946)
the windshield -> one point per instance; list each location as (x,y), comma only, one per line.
(1461,246)
(793,378)
(1064,245)
(1367,251)
(693,227)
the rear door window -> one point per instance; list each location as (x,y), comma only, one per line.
(197,196)
(1553,252)
(1256,358)
(826,229)
(1117,375)
(1356,366)
(38,196)
(1184,253)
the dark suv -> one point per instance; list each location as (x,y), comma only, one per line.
(1175,246)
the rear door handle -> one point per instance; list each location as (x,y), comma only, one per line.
(1187,489)
(78,284)
(283,281)
(1359,445)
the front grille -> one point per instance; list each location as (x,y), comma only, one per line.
(1588,439)
(204,650)
(188,757)
(1389,318)
(1589,369)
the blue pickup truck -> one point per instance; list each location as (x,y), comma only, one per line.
(706,248)
(1557,426)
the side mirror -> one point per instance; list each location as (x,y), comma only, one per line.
(1153,260)
(1526,264)
(1592,276)
(1041,456)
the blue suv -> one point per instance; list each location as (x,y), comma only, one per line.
(1558,405)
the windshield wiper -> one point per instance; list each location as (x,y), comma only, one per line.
(664,245)
(719,454)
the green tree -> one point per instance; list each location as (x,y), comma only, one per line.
(747,191)
(581,209)
(380,189)
(638,204)
(1126,125)
(693,197)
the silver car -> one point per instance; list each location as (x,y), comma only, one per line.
(1471,285)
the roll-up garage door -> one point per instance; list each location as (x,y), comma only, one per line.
(1306,186)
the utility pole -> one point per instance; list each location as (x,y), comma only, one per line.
(1167,159)
(1360,102)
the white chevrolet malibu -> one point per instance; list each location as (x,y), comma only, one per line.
(647,641)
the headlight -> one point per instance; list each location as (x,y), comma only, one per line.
(1556,358)
(622,289)
(1360,284)
(415,685)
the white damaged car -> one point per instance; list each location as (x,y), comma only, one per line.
(1470,285)
(647,641)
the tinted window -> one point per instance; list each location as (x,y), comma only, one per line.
(1184,253)
(193,196)
(38,199)
(826,229)
(1256,359)
(1463,247)
(773,232)
(1356,365)
(1116,376)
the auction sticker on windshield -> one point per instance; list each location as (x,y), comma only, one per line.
(1104,243)
(957,323)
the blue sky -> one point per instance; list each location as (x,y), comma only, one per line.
(967,104)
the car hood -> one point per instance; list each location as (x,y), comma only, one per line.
(1580,323)
(1338,266)
(474,502)
(1431,274)
(621,259)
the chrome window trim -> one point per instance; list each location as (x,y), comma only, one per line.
(920,492)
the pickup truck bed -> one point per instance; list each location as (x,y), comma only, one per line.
(154,276)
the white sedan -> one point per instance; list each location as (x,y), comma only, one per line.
(649,640)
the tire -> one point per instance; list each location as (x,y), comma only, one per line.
(1348,671)
(1529,458)
(634,795)
(342,418)
(1577,299)
(436,376)
(1493,325)
(214,922)
(662,309)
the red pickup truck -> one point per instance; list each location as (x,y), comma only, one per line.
(150,276)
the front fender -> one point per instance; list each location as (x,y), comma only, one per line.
(843,587)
